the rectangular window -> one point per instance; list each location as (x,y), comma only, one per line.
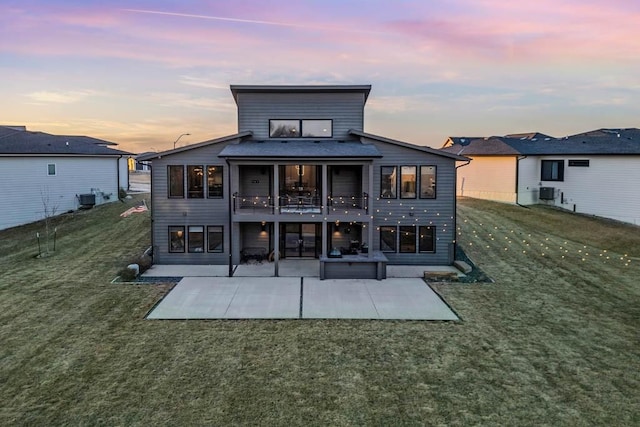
(195,182)
(427,182)
(552,170)
(196,238)
(284,128)
(388,179)
(408,182)
(176,239)
(308,128)
(51,169)
(176,181)
(407,239)
(579,163)
(215,238)
(214,182)
(427,239)
(316,128)
(388,239)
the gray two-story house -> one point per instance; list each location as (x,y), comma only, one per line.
(301,179)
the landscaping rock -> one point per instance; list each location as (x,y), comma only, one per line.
(462,266)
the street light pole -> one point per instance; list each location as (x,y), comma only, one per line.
(176,141)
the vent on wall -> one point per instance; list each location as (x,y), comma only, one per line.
(547,193)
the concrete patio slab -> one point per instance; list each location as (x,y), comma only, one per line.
(231,298)
(337,299)
(404,299)
(409,299)
(266,298)
(296,297)
(197,298)
(165,270)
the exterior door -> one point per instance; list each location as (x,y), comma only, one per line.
(300,240)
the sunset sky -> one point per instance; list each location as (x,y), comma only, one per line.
(142,72)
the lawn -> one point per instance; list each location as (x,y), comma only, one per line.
(554,341)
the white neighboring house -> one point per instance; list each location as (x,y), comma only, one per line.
(595,173)
(39,170)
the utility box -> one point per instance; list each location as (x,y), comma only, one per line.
(547,193)
(87,201)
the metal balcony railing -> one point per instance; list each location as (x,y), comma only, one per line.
(348,203)
(252,204)
(300,204)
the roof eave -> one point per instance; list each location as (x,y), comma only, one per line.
(429,150)
(152,156)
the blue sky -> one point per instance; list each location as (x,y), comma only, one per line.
(140,73)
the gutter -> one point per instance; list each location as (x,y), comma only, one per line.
(230,223)
(518,179)
(455,211)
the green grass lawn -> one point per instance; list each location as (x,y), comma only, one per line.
(554,341)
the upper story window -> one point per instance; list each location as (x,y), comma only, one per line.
(176,180)
(195,181)
(388,182)
(214,182)
(552,170)
(427,182)
(51,169)
(408,183)
(307,128)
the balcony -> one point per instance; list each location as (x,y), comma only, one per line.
(301,204)
(252,204)
(348,204)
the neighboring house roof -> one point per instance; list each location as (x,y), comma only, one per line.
(599,142)
(422,148)
(151,155)
(146,153)
(236,89)
(301,149)
(19,142)
(529,135)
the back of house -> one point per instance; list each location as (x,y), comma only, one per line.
(301,179)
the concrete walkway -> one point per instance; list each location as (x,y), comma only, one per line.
(301,298)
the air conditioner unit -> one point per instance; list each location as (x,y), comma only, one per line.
(547,193)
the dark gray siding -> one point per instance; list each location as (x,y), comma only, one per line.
(184,212)
(438,212)
(346,181)
(254,180)
(255,109)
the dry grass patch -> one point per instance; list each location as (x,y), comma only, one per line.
(552,342)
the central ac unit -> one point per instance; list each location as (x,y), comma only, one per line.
(547,193)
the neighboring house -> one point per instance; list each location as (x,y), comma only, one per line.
(301,179)
(596,173)
(137,165)
(41,171)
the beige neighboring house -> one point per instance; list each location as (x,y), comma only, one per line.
(595,173)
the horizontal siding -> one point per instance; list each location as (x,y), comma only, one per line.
(184,212)
(607,188)
(438,212)
(24,183)
(489,178)
(256,109)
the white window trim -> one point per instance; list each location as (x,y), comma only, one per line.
(55,169)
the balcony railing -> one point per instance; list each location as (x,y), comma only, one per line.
(345,204)
(348,203)
(252,204)
(300,204)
